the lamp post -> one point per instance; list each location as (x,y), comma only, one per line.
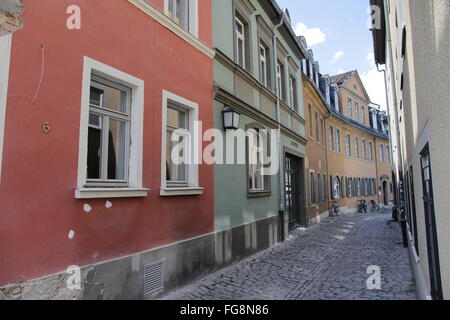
(230,118)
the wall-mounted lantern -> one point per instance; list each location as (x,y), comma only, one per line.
(230,118)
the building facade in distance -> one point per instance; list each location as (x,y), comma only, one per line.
(348,143)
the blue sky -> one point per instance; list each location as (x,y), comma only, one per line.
(336,30)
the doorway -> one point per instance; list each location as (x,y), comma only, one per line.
(294,191)
(385,193)
(430,226)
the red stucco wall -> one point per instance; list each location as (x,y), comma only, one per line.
(37,204)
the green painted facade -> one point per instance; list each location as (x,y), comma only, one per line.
(243,90)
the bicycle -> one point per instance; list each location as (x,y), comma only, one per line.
(334,211)
(362,206)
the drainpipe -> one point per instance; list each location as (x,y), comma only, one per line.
(281,209)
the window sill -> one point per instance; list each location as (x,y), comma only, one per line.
(258,194)
(102,193)
(185,191)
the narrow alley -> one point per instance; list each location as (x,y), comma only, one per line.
(330,261)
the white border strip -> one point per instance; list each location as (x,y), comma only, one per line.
(166,22)
(5,57)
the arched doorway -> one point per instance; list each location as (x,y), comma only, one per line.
(384,190)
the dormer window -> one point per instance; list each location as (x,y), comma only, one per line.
(350,107)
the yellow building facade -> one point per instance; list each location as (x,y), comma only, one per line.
(348,151)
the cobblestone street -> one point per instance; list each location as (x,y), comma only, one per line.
(329,261)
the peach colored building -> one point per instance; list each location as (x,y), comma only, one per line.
(358,150)
(316,111)
(348,151)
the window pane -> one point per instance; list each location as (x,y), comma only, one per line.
(240,52)
(176,167)
(170,8)
(182,17)
(116,149)
(176,118)
(94,146)
(110,98)
(239,27)
(96,97)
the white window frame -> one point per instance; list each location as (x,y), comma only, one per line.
(312,188)
(381,152)
(356,147)
(364,149)
(350,107)
(192,15)
(331,137)
(263,64)
(134,186)
(348,146)
(363,112)
(105,115)
(240,36)
(319,187)
(356,111)
(258,151)
(388,154)
(293,91)
(370,151)
(5,57)
(338,140)
(192,187)
(336,187)
(280,80)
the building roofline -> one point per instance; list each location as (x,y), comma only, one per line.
(280,14)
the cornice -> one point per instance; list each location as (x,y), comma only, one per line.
(359,126)
(227,97)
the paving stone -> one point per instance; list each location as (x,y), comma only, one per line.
(314,265)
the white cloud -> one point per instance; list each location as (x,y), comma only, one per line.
(336,57)
(374,83)
(313,35)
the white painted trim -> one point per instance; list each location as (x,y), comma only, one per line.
(192,107)
(193,15)
(5,57)
(91,66)
(103,193)
(166,22)
(181,192)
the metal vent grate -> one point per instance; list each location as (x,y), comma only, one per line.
(154,278)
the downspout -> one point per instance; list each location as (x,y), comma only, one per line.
(278,117)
